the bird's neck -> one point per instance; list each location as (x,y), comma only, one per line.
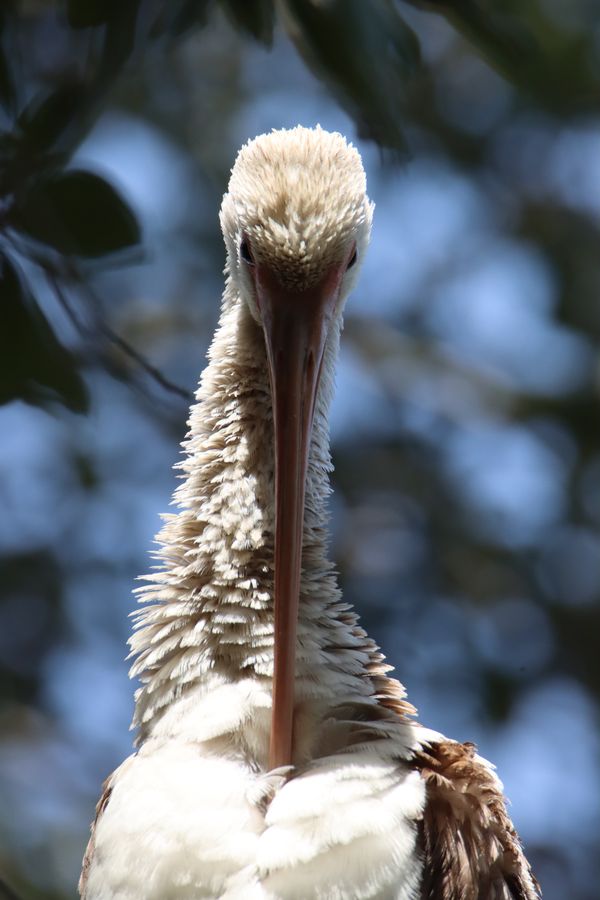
(210,606)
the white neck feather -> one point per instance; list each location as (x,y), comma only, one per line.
(211,611)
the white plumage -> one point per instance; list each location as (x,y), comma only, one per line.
(371,805)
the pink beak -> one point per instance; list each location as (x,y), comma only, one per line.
(296,325)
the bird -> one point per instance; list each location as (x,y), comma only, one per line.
(276,756)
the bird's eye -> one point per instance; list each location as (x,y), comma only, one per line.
(352,259)
(246,253)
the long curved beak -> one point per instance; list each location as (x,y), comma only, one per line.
(296,325)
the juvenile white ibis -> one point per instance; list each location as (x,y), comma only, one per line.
(276,757)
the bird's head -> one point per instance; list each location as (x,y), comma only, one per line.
(296,215)
(296,221)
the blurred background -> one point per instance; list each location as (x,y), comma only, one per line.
(466,433)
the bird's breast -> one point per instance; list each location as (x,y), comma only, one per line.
(183,822)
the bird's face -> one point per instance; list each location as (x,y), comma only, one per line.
(296,222)
(296,214)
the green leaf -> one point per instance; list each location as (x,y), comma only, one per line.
(255,17)
(7,88)
(8,95)
(88,13)
(34,365)
(119,41)
(365,52)
(46,120)
(76,213)
(174,19)
(528,46)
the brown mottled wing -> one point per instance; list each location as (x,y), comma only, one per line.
(470,847)
(107,789)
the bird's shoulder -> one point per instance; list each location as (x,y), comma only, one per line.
(470,846)
(471,849)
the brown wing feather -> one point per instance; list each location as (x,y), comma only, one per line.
(470,847)
(471,850)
